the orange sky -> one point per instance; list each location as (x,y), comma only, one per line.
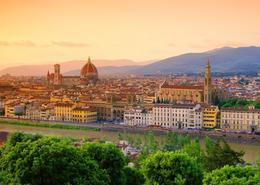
(48,31)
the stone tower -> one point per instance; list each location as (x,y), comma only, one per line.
(57,75)
(207,84)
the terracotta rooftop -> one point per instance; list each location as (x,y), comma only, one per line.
(197,87)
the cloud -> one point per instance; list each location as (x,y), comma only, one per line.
(28,43)
(22,43)
(69,44)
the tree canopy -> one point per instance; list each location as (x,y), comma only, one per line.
(109,158)
(50,161)
(174,160)
(171,168)
(237,102)
(218,154)
(233,175)
(133,176)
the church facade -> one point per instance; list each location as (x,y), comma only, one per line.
(189,94)
(88,75)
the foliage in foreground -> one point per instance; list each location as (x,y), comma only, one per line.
(233,175)
(218,154)
(133,176)
(33,159)
(215,155)
(37,160)
(171,168)
(49,160)
(109,158)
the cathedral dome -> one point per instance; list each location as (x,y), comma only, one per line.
(89,73)
(88,69)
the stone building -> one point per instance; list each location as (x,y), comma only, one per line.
(88,75)
(186,94)
(167,116)
(239,119)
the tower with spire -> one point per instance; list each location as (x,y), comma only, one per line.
(207,84)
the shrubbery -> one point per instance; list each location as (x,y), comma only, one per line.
(172,168)
(40,160)
(236,175)
(239,103)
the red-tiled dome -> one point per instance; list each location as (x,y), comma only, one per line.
(88,69)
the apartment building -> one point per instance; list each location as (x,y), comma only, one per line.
(238,119)
(167,115)
(178,116)
(210,117)
(83,115)
(138,117)
(73,113)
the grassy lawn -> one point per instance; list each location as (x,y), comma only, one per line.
(47,125)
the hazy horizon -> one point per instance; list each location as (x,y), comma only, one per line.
(46,32)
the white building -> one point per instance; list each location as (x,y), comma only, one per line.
(240,119)
(138,117)
(166,115)
(178,116)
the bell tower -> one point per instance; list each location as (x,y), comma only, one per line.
(207,84)
(57,75)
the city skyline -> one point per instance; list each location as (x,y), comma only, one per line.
(41,32)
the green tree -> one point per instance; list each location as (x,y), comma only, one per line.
(49,161)
(120,136)
(137,142)
(175,142)
(21,137)
(150,143)
(258,160)
(133,176)
(233,175)
(237,102)
(171,168)
(194,150)
(109,158)
(218,154)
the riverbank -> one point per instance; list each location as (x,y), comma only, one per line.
(47,125)
(230,137)
(251,151)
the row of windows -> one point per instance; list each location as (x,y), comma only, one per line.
(240,122)
(240,116)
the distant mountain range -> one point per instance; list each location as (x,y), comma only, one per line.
(75,65)
(223,60)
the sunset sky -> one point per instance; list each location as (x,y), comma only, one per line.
(48,31)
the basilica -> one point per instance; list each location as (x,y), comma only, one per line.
(206,93)
(88,75)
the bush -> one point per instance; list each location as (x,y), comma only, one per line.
(233,175)
(171,168)
(49,161)
(109,158)
(218,154)
(133,176)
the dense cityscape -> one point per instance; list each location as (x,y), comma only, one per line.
(174,102)
(129,92)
